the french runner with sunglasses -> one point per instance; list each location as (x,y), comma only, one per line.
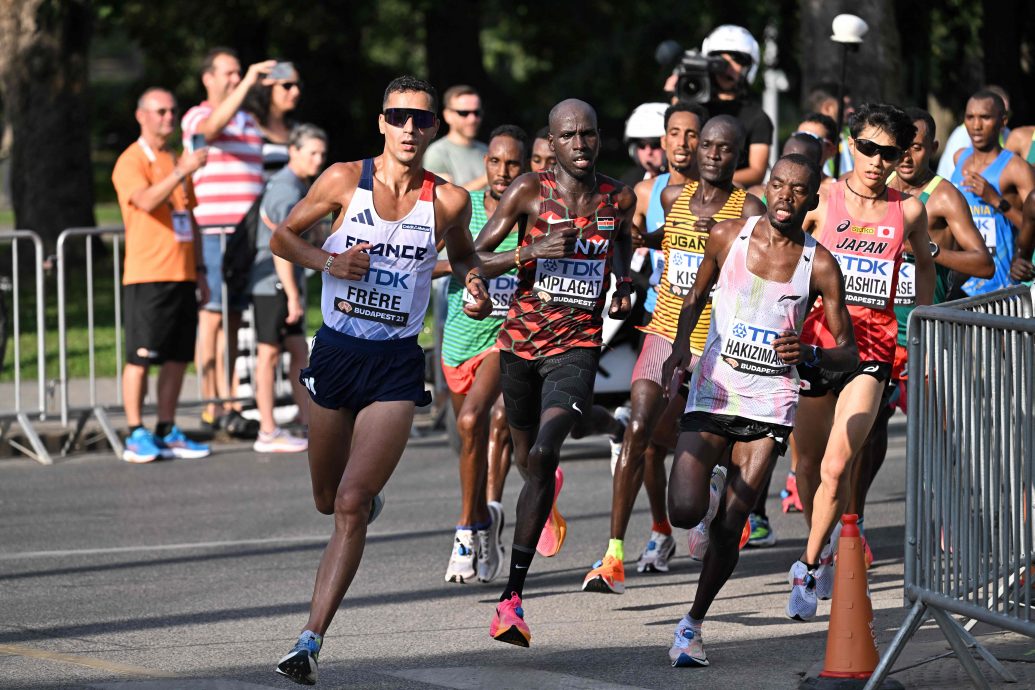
(574,234)
(864,224)
(366,370)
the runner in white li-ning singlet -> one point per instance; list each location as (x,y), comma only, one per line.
(767,273)
(366,370)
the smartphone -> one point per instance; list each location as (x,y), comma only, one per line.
(282,70)
(197,142)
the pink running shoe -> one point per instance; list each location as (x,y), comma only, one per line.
(791,501)
(555,529)
(508,625)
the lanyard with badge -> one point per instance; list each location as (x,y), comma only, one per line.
(182,228)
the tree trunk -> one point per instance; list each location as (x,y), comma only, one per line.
(1002,34)
(874,70)
(44,84)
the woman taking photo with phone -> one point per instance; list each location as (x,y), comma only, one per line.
(271,101)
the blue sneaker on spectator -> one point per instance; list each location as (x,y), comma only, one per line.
(176,445)
(141,446)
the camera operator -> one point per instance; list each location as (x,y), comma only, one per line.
(718,77)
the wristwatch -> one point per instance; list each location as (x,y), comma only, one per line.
(816,358)
(1003,206)
(935,249)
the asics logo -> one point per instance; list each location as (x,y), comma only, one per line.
(872,369)
(363,217)
(310,383)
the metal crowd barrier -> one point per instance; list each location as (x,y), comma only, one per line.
(970,473)
(21,412)
(95,408)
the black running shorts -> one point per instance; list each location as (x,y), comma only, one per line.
(817,382)
(350,373)
(736,428)
(271,326)
(531,386)
(161,321)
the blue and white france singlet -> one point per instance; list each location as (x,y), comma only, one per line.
(390,300)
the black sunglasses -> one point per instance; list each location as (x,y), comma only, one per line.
(288,85)
(467,113)
(397,117)
(742,59)
(870,149)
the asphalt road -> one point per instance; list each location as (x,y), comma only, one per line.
(197,574)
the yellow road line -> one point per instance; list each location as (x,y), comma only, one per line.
(88,662)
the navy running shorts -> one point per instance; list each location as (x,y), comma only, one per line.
(351,373)
(736,428)
(531,386)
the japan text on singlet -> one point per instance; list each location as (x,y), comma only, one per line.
(740,372)
(869,253)
(995,229)
(559,302)
(683,248)
(390,300)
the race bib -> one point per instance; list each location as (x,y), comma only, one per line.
(569,282)
(182,229)
(381,295)
(501,289)
(986,226)
(867,280)
(749,348)
(682,270)
(905,293)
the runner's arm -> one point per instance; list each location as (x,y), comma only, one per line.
(828,283)
(971,256)
(758,162)
(324,198)
(753,206)
(621,303)
(1022,268)
(213,125)
(915,216)
(643,191)
(520,199)
(668,198)
(463,257)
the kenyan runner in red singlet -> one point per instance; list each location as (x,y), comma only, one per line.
(864,224)
(576,234)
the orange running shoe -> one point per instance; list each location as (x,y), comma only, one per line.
(555,529)
(508,625)
(867,553)
(746,534)
(606,577)
(791,501)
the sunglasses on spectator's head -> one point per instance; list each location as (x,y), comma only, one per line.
(870,149)
(397,117)
(648,144)
(467,113)
(815,136)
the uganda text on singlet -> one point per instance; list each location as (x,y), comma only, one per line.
(390,300)
(559,302)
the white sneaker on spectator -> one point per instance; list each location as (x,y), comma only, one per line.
(279,441)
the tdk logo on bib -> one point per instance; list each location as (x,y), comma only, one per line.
(569,282)
(867,280)
(905,291)
(682,271)
(501,290)
(749,348)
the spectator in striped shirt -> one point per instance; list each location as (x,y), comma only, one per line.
(225,188)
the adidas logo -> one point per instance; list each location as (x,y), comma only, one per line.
(363,217)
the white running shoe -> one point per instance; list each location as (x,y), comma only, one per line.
(688,647)
(697,537)
(463,558)
(801,605)
(825,573)
(622,415)
(279,441)
(490,545)
(655,557)
(377,504)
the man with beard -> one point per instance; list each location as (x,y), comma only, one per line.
(574,221)
(767,272)
(471,363)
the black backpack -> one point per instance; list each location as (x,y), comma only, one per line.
(241,248)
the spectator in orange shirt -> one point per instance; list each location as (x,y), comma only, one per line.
(161,283)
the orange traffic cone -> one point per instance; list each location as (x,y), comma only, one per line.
(851,648)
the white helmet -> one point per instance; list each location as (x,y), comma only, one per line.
(730,38)
(646,122)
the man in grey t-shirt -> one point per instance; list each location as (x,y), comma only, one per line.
(278,291)
(458,157)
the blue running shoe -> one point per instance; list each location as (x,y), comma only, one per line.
(688,647)
(176,445)
(141,446)
(300,664)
